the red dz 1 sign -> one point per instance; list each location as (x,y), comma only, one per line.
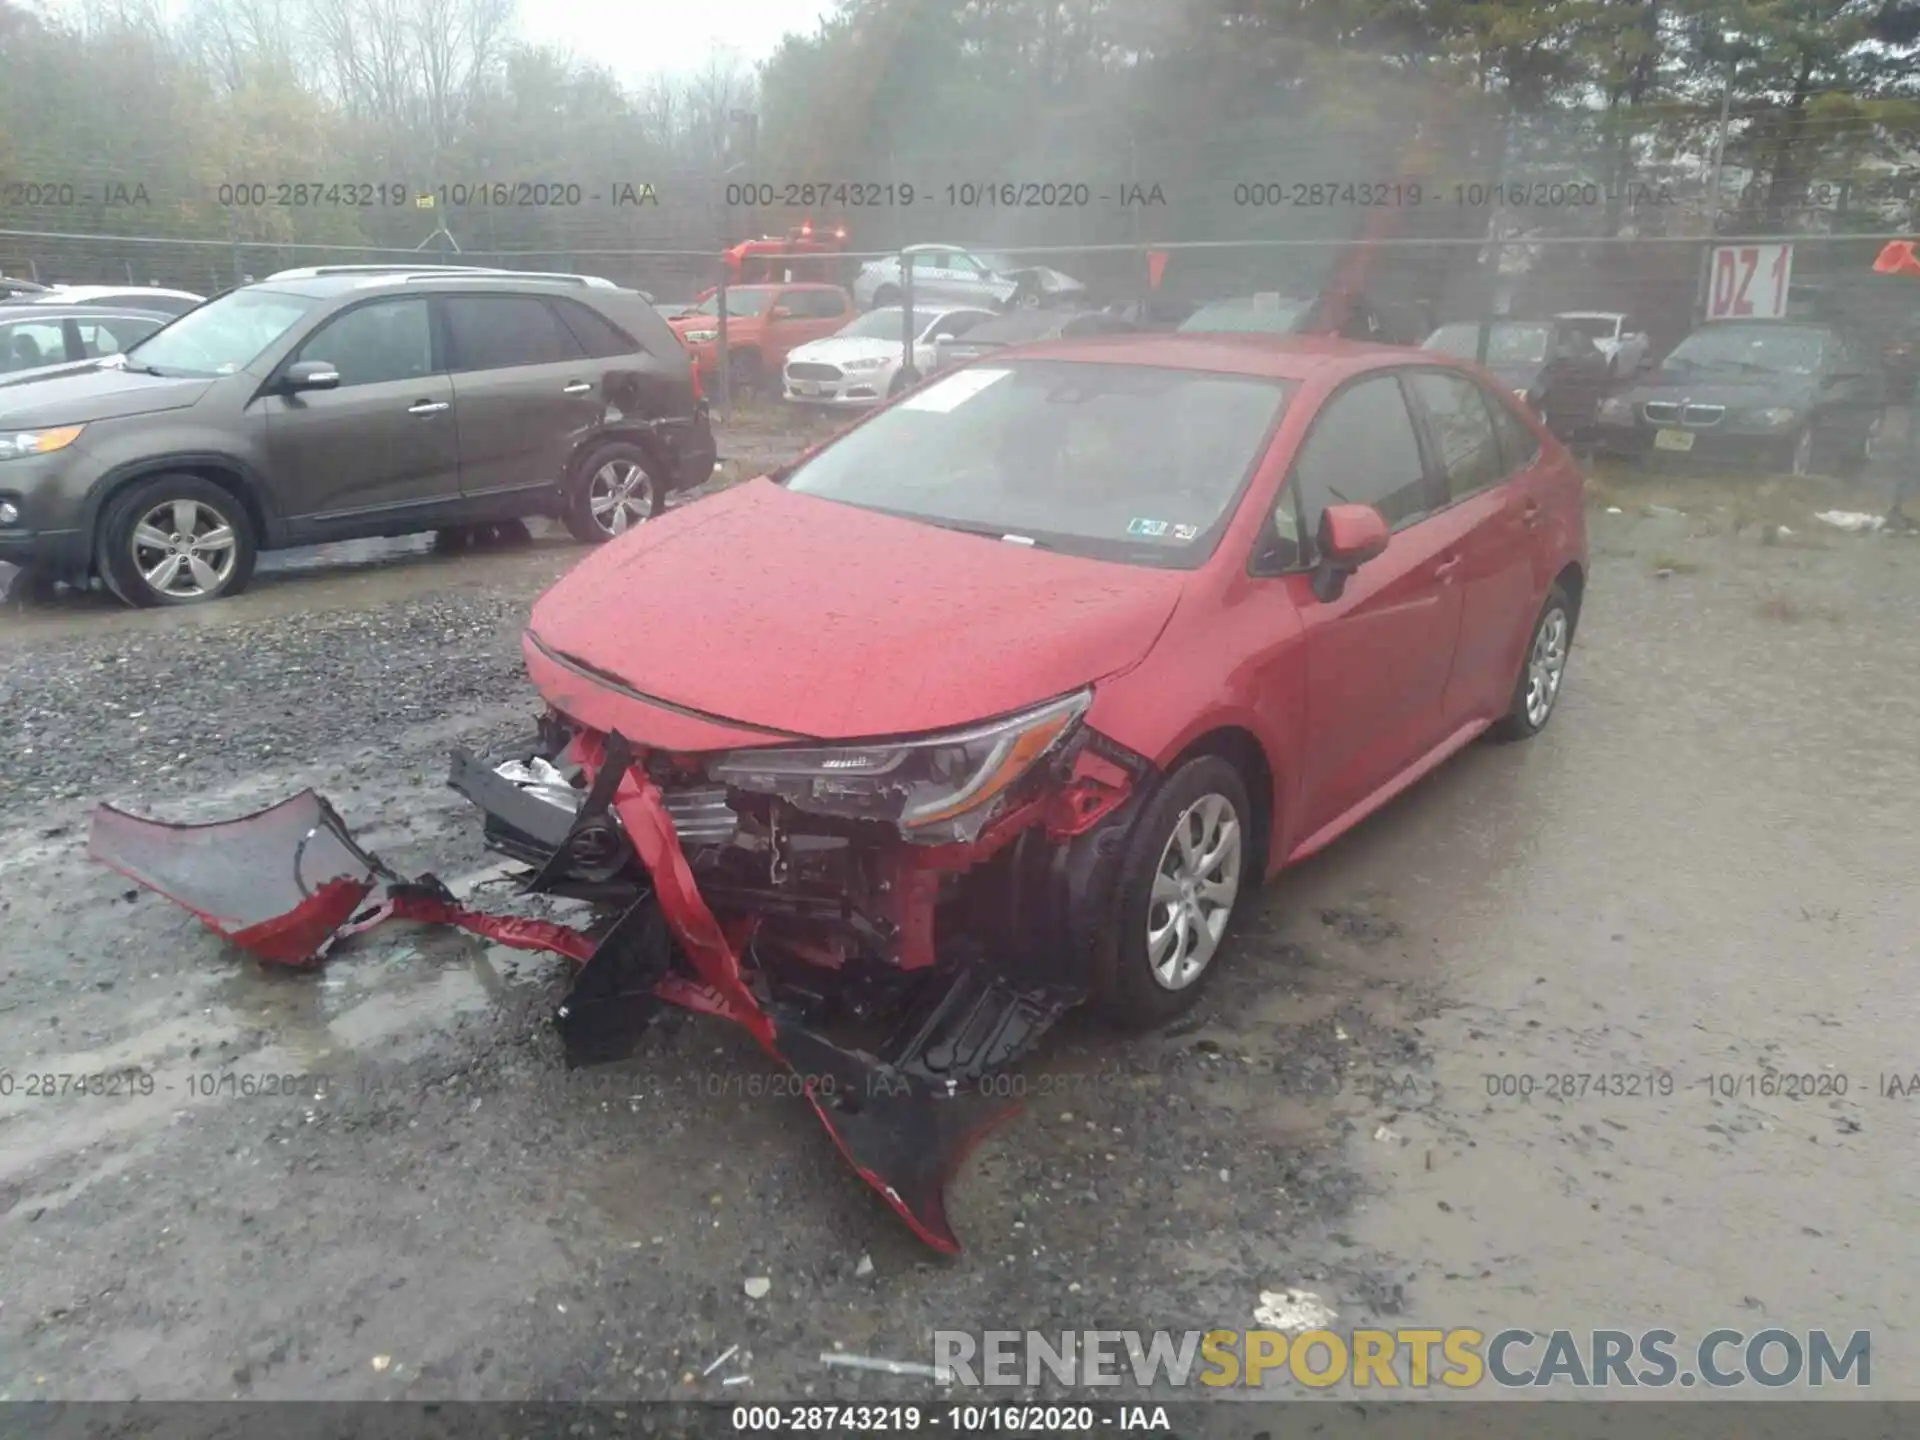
(1749,282)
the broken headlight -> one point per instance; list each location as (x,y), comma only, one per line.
(935,787)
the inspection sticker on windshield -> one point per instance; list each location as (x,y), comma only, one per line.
(1151,529)
(954,391)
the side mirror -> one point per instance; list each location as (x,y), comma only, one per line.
(1350,535)
(310,375)
(780,312)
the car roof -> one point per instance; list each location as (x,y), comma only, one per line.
(1262,355)
(1591,315)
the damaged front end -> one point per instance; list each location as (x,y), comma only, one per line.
(894,922)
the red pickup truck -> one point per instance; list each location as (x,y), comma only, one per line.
(764,322)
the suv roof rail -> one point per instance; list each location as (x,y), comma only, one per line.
(593,282)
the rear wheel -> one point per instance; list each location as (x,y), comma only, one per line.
(613,491)
(1537,692)
(1180,885)
(175,540)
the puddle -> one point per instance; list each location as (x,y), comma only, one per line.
(316,1029)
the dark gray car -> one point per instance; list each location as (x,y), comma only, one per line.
(333,406)
(1774,394)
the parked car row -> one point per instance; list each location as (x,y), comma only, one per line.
(163,455)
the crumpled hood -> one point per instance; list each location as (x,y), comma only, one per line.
(823,620)
(71,398)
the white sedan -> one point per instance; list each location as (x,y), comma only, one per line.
(1616,337)
(859,365)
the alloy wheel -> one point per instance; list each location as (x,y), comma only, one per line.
(620,496)
(1194,888)
(185,549)
(1546,664)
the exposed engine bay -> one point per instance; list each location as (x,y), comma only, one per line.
(893,923)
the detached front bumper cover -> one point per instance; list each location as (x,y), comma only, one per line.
(289,882)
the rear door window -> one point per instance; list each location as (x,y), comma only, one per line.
(1519,446)
(504,332)
(1461,428)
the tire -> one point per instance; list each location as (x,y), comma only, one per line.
(1525,718)
(624,481)
(1132,991)
(1027,297)
(133,551)
(897,386)
(887,295)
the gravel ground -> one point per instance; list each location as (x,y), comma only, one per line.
(1704,868)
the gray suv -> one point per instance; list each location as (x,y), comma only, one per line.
(333,404)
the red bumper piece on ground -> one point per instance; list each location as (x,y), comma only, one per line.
(287,882)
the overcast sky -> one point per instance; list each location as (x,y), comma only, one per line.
(636,40)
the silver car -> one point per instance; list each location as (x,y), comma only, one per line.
(953,275)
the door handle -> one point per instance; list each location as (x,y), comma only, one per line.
(578,387)
(426,407)
(1444,570)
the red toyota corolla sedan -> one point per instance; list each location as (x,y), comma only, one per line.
(1067,651)
(1002,700)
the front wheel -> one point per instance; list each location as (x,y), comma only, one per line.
(614,491)
(175,540)
(1537,691)
(1180,884)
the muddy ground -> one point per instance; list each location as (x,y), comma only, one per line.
(1706,867)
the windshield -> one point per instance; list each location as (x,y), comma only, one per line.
(1118,462)
(1248,316)
(1779,350)
(1507,344)
(1594,327)
(224,335)
(739,302)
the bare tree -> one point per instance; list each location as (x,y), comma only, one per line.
(413,67)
